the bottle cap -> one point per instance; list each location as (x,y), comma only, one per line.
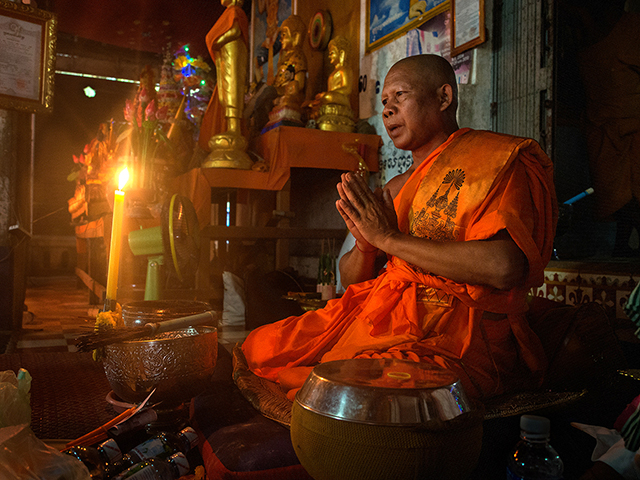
(181,463)
(535,426)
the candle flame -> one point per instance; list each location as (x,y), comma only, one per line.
(123,178)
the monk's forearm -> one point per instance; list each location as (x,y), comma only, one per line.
(356,266)
(496,262)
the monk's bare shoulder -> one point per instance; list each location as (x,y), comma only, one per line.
(396,183)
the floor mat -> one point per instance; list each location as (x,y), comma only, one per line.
(68,392)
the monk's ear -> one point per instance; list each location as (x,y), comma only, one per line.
(445,95)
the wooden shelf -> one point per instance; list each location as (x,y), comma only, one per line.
(282,148)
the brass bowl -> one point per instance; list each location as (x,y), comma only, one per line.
(177,364)
(385,419)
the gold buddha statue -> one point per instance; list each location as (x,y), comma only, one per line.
(228,42)
(332,109)
(291,75)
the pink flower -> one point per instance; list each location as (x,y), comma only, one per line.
(139,115)
(161,113)
(144,95)
(128,111)
(150,111)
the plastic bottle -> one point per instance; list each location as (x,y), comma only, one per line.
(98,460)
(533,458)
(174,467)
(159,446)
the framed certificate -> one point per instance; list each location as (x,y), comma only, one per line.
(467,28)
(27,57)
(387,20)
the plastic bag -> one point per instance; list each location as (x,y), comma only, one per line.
(15,399)
(233,302)
(23,456)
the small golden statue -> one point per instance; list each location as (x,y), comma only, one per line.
(227,42)
(290,81)
(332,109)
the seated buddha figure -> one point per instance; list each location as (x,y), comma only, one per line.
(332,109)
(290,80)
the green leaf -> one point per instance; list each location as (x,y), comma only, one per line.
(162,136)
(124,135)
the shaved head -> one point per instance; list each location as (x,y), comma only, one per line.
(419,99)
(430,72)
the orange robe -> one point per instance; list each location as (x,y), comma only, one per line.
(471,187)
(214,119)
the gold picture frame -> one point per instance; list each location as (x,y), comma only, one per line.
(467,26)
(27,57)
(387,21)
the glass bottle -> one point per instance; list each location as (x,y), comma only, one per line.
(161,445)
(533,458)
(98,460)
(173,467)
(321,277)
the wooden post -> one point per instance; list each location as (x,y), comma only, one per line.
(283,201)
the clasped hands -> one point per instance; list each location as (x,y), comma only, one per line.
(369,216)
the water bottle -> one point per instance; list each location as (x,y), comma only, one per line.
(159,446)
(174,467)
(98,460)
(533,458)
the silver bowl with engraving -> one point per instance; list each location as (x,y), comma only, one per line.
(177,364)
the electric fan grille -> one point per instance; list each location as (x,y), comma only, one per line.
(181,237)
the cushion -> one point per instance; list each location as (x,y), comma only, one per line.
(236,440)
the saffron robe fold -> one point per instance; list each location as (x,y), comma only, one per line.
(214,119)
(474,185)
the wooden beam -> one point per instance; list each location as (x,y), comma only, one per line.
(220,232)
(91,284)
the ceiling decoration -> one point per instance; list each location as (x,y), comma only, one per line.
(142,25)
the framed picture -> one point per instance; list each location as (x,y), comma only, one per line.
(27,57)
(467,28)
(387,20)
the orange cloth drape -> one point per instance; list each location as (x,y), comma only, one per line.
(473,186)
(213,120)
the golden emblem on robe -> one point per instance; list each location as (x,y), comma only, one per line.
(436,220)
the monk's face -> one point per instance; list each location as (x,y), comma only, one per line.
(411,113)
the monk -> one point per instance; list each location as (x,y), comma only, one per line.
(465,233)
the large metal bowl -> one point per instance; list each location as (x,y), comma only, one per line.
(385,419)
(136,314)
(177,364)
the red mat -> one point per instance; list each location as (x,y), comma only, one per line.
(68,392)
